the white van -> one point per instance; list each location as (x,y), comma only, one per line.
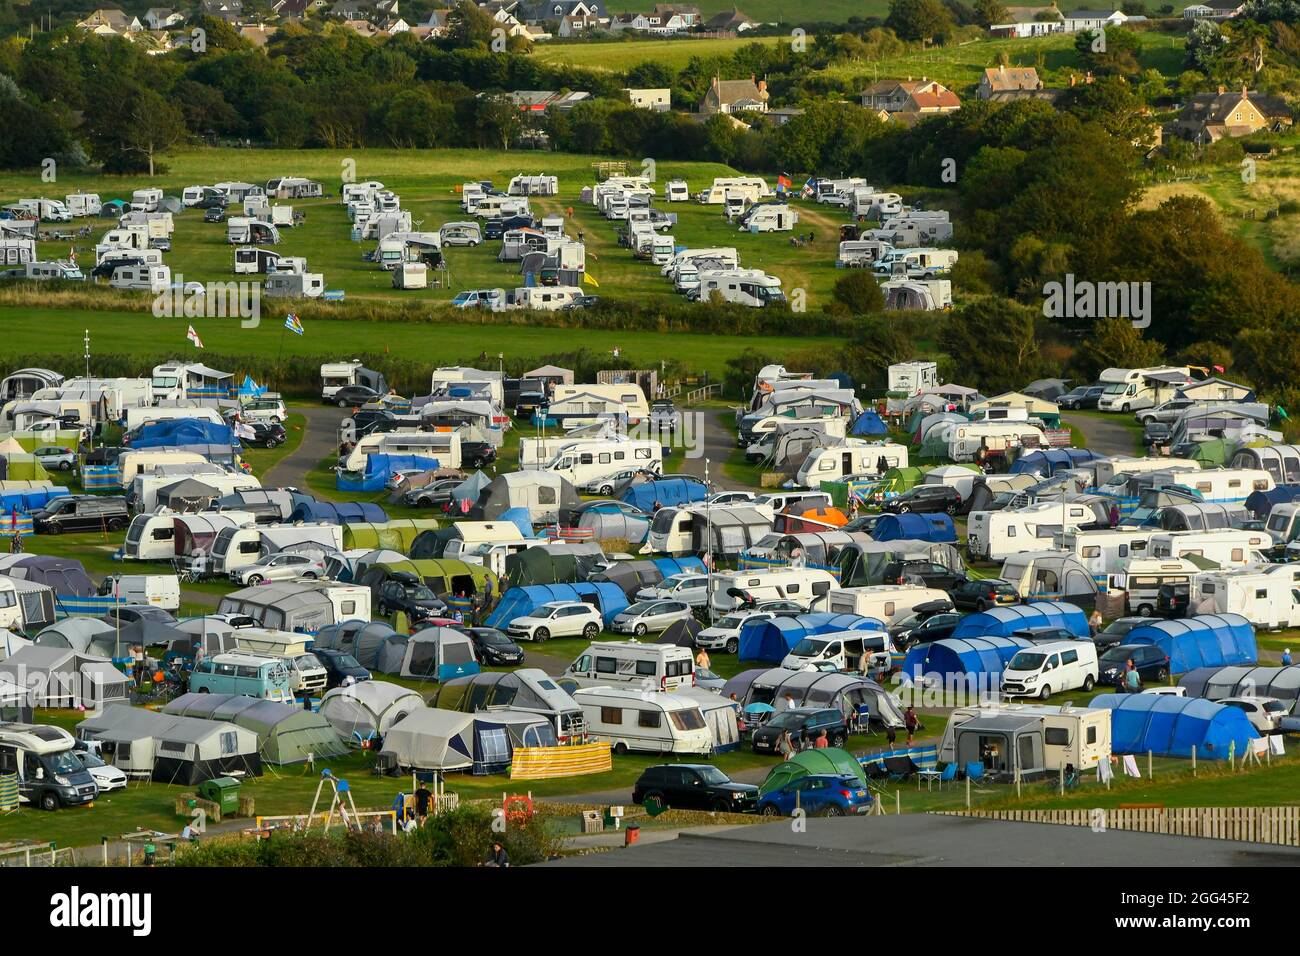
(808,587)
(1047,669)
(579,464)
(1078,737)
(547,298)
(842,650)
(852,457)
(1226,548)
(884,602)
(752,188)
(159,590)
(632,720)
(749,287)
(650,667)
(148,278)
(83,204)
(1142,578)
(996,535)
(1130,389)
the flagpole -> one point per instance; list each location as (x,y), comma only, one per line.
(280,353)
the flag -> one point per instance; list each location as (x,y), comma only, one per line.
(292,324)
(243,430)
(784,181)
(590,279)
(194,337)
(1219,369)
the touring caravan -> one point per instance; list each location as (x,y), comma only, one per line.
(996,535)
(545,298)
(808,587)
(1227,486)
(1233,548)
(861,253)
(335,375)
(1142,579)
(967,439)
(147,278)
(852,457)
(753,188)
(676,190)
(241,230)
(915,263)
(1077,737)
(1105,551)
(580,464)
(1106,469)
(633,720)
(768,217)
(628,394)
(294,285)
(751,287)
(444,446)
(132,463)
(883,602)
(236,548)
(1269,601)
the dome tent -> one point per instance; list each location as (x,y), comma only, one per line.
(362,639)
(1207,640)
(915,527)
(1003,621)
(868,423)
(681,632)
(848,693)
(341,512)
(1047,462)
(606,519)
(396,534)
(807,763)
(966,658)
(771,640)
(372,706)
(1169,726)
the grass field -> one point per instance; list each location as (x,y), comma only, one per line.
(783,11)
(619,55)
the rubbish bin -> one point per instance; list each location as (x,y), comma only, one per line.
(223,791)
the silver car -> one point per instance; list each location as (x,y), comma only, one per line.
(56,457)
(645,616)
(279,567)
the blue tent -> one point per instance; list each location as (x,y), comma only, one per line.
(667,491)
(914,527)
(671,566)
(340,512)
(179,432)
(963,658)
(1260,503)
(520,518)
(29,499)
(772,640)
(1171,726)
(518,602)
(868,423)
(1004,621)
(1049,461)
(1207,640)
(379,468)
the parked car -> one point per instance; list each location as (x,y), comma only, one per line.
(1081,396)
(642,617)
(818,795)
(267,433)
(408,594)
(708,680)
(688,587)
(124,614)
(582,302)
(1150,661)
(56,457)
(354,395)
(1156,433)
(864,523)
(1264,713)
(215,214)
(433,495)
(693,786)
(606,485)
(724,633)
(933,627)
(82,513)
(339,666)
(279,567)
(980,594)
(1115,632)
(1042,635)
(107,778)
(927,572)
(558,619)
(264,408)
(740,498)
(925,499)
(494,647)
(664,416)
(1166,413)
(804,724)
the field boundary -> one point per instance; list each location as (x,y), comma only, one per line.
(1279,826)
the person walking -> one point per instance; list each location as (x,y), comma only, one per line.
(1286,657)
(702,659)
(911,722)
(1094,622)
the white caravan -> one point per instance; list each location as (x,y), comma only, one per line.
(996,535)
(851,457)
(884,602)
(653,667)
(633,720)
(627,393)
(444,446)
(147,278)
(587,462)
(1142,579)
(1269,601)
(84,204)
(1226,548)
(1105,551)
(808,587)
(1077,737)
(752,188)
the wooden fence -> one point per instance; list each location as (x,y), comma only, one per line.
(1275,825)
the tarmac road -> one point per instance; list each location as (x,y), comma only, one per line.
(715,442)
(318,442)
(1106,436)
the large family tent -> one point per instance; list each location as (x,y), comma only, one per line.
(1169,726)
(545,495)
(849,693)
(433,653)
(1004,621)
(170,748)
(861,563)
(665,492)
(915,527)
(340,512)
(1216,683)
(292,606)
(85,635)
(820,549)
(1050,576)
(1046,462)
(611,521)
(285,734)
(127,737)
(772,639)
(498,732)
(276,503)
(979,659)
(11,643)
(1260,503)
(430,739)
(61,677)
(1207,640)
(67,576)
(364,640)
(552,564)
(396,534)
(369,707)
(442,576)
(823,761)
(527,689)
(519,602)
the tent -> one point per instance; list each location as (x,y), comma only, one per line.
(11,643)
(468,491)
(1260,503)
(431,739)
(379,469)
(85,635)
(185,433)
(1213,453)
(285,734)
(849,693)
(291,606)
(62,677)
(66,575)
(960,478)
(1207,640)
(667,492)
(279,502)
(966,659)
(1215,683)
(1050,575)
(1046,462)
(861,563)
(433,544)
(497,733)
(772,639)
(396,534)
(607,521)
(681,633)
(868,423)
(798,518)
(915,527)
(127,736)
(342,512)
(1169,726)
(443,576)
(552,564)
(1005,743)
(720,714)
(188,495)
(372,706)
(807,763)
(189,750)
(527,689)
(1003,621)
(362,639)
(547,497)
(432,653)
(518,602)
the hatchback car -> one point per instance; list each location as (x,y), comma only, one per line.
(54,457)
(354,395)
(935,627)
(982,594)
(926,572)
(493,647)
(1081,396)
(1115,632)
(215,214)
(803,724)
(1156,434)
(557,619)
(821,795)
(646,616)
(279,567)
(692,786)
(339,666)
(107,777)
(925,499)
(125,614)
(1264,713)
(692,589)
(606,485)
(1150,661)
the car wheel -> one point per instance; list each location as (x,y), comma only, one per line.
(541,634)
(254,579)
(770,810)
(342,404)
(53,528)
(833,811)
(620,748)
(49,801)
(309,575)
(1046,692)
(1162,674)
(1088,683)
(837,740)
(981,605)
(1144,610)
(590,631)
(639,630)
(720,806)
(904,509)
(951,509)
(606,491)
(733,645)
(64,466)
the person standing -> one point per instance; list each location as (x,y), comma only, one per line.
(1094,622)
(702,659)
(422,800)
(1286,657)
(911,722)
(821,742)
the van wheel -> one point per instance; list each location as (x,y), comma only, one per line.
(639,630)
(720,806)
(1144,610)
(620,748)
(590,631)
(49,801)
(54,528)
(1088,683)
(541,634)
(1124,407)
(309,575)
(733,645)
(1046,692)
(770,810)
(1162,674)
(203,690)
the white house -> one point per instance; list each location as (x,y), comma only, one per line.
(1215,9)
(1077,21)
(162,18)
(658,100)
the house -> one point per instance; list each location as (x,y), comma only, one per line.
(780,117)
(108,22)
(910,96)
(1008,80)
(688,13)
(1215,9)
(540,11)
(730,22)
(232,11)
(162,18)
(1208,117)
(652,23)
(577,26)
(394,25)
(733,96)
(658,100)
(258,33)
(1077,21)
(297,9)
(352,9)
(1029,22)
(436,23)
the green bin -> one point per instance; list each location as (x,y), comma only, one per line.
(223,791)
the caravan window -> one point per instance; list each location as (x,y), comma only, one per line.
(606,665)
(1092,735)
(649,718)
(249,547)
(1095,552)
(611,715)
(546,496)
(605,458)
(1261,593)
(646,669)
(162,534)
(1056,737)
(1238,554)
(643,453)
(7,599)
(687,719)
(349,607)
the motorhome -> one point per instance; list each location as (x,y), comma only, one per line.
(915,263)
(1142,579)
(335,375)
(808,587)
(1228,548)
(493,207)
(996,535)
(851,457)
(861,253)
(444,446)
(537,453)
(676,190)
(249,260)
(146,200)
(651,667)
(545,298)
(751,287)
(586,462)
(1049,668)
(833,191)
(1129,389)
(40,757)
(147,278)
(83,204)
(634,721)
(883,602)
(1269,600)
(768,217)
(194,195)
(628,394)
(156,590)
(1105,551)
(294,285)
(46,210)
(1077,737)
(241,230)
(752,188)
(56,270)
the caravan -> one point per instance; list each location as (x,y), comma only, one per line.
(1106,551)
(633,720)
(1267,599)
(852,457)
(768,217)
(628,394)
(580,464)
(807,587)
(83,204)
(550,298)
(1141,580)
(967,439)
(752,188)
(1226,548)
(146,278)
(443,446)
(886,603)
(996,535)
(1077,737)
(915,263)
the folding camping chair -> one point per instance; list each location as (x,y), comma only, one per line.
(900,768)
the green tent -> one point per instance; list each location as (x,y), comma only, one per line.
(285,734)
(1213,453)
(25,468)
(538,565)
(395,535)
(898,480)
(806,763)
(443,575)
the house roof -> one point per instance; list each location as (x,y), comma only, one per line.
(724,20)
(937,97)
(1031,14)
(1092,14)
(1216,108)
(1005,78)
(736,91)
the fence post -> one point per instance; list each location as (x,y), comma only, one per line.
(1060,779)
(967,791)
(1193,760)
(1149,774)
(898,802)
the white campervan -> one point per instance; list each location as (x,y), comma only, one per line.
(841,650)
(996,535)
(1227,547)
(632,720)
(1267,600)
(650,667)
(1129,389)
(1047,669)
(750,287)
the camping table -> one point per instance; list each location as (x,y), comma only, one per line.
(929,776)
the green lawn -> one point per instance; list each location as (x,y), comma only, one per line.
(619,55)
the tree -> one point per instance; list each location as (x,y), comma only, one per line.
(918,20)
(859,292)
(878,343)
(996,342)
(989,12)
(135,128)
(1116,343)
(468,26)
(496,121)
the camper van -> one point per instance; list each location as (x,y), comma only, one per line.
(1077,737)
(676,190)
(753,188)
(242,231)
(996,535)
(853,457)
(157,590)
(884,602)
(628,394)
(840,650)
(1268,599)
(751,287)
(1142,579)
(591,460)
(632,720)
(1226,548)
(1047,669)
(251,675)
(1129,389)
(49,776)
(1105,551)
(55,270)
(146,200)
(650,667)
(444,446)
(966,439)
(768,217)
(83,204)
(294,285)
(808,587)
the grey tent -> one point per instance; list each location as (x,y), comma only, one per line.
(430,739)
(67,576)
(273,502)
(434,653)
(849,693)
(1003,743)
(612,521)
(1203,516)
(1216,683)
(681,632)
(188,496)
(497,733)
(546,496)
(720,714)
(190,750)
(863,563)
(127,736)
(1050,575)
(820,548)
(729,530)
(11,643)
(469,489)
(527,689)
(631,576)
(291,606)
(364,640)
(285,734)
(85,635)
(369,707)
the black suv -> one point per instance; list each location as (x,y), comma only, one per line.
(405,592)
(925,499)
(936,627)
(694,786)
(982,594)
(82,513)
(803,724)
(1115,632)
(1044,635)
(493,647)
(1150,661)
(927,572)
(477,454)
(266,434)
(339,665)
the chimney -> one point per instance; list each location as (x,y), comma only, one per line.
(1245,92)
(1222,91)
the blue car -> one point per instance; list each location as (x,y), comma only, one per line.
(827,795)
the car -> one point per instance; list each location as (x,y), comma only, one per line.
(864,523)
(821,795)
(107,778)
(354,395)
(493,647)
(582,302)
(1115,632)
(735,498)
(125,614)
(477,454)
(408,594)
(1081,396)
(1044,635)
(642,617)
(339,666)
(1150,661)
(1156,433)
(664,416)
(691,588)
(926,572)
(435,494)
(57,457)
(693,786)
(493,299)
(558,619)
(925,499)
(267,433)
(980,594)
(161,243)
(1264,713)
(804,724)
(607,485)
(401,476)
(215,214)
(1165,413)
(283,566)
(82,513)
(933,627)
(263,408)
(724,633)
(708,680)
